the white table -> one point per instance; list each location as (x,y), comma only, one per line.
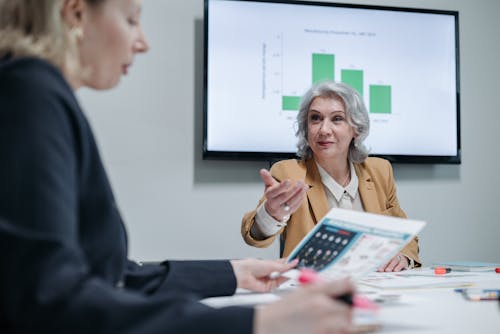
(422,310)
(440,310)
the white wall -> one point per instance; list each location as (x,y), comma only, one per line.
(177,205)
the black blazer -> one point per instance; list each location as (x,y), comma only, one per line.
(63,245)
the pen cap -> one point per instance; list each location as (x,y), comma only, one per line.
(441,270)
(308,276)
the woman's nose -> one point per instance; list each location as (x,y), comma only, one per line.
(324,127)
(141,45)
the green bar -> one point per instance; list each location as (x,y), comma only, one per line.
(323,66)
(353,78)
(380,99)
(290,102)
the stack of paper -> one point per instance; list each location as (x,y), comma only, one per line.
(468,265)
(416,279)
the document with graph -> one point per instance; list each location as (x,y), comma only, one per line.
(353,243)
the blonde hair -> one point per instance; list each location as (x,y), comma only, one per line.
(36,28)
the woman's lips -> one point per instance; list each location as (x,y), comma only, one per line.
(125,68)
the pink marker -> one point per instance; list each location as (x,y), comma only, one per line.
(308,276)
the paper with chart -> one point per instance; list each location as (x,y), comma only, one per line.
(353,243)
(423,278)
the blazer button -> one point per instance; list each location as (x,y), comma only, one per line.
(120,284)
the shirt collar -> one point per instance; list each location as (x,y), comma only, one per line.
(336,189)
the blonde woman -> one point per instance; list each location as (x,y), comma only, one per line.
(63,244)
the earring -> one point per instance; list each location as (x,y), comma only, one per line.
(77,32)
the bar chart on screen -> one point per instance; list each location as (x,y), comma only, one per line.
(289,71)
(403,64)
(323,68)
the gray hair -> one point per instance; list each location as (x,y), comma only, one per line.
(356,115)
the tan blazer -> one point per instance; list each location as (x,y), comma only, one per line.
(376,188)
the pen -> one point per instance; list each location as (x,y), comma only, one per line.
(274,275)
(441,270)
(475,294)
(308,276)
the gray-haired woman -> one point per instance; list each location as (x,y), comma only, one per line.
(334,171)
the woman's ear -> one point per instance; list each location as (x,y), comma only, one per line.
(72,12)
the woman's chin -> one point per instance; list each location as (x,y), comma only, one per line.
(104,84)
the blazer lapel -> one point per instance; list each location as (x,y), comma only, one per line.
(316,194)
(367,191)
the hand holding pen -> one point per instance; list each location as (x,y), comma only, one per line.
(308,276)
(260,275)
(312,308)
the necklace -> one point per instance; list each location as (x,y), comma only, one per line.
(347,179)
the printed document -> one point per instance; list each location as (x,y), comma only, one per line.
(353,243)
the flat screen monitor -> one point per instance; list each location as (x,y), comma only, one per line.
(262,56)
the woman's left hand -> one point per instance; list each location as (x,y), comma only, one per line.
(397,263)
(253,274)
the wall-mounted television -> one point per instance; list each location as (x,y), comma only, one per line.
(261,56)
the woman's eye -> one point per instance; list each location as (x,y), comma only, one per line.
(133,22)
(314,118)
(338,119)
